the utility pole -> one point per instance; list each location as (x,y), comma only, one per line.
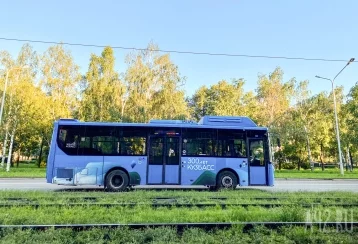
(335,115)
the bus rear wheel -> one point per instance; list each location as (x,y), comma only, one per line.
(117,180)
(226,180)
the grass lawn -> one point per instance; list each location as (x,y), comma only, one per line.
(91,214)
(181,196)
(146,214)
(168,235)
(25,170)
(316,174)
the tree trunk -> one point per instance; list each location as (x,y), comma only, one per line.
(279,161)
(299,164)
(349,162)
(4,148)
(321,157)
(345,159)
(18,158)
(40,156)
(10,150)
(124,101)
(351,159)
(308,148)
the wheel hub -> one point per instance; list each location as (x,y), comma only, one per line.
(117,181)
(226,181)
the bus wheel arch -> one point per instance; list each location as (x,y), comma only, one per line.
(226,177)
(116,179)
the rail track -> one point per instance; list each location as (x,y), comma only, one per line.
(170,202)
(94,199)
(176,205)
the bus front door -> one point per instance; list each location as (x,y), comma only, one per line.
(257,162)
(163,165)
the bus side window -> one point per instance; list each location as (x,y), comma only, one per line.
(240,148)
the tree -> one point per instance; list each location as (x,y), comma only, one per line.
(169,103)
(199,103)
(20,92)
(303,110)
(223,98)
(251,106)
(151,80)
(349,117)
(60,80)
(274,96)
(102,90)
(26,111)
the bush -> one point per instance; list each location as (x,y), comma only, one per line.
(288,165)
(305,165)
(43,164)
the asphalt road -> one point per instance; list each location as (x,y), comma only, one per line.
(280,185)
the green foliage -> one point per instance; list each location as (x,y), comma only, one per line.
(60,77)
(103,91)
(274,95)
(220,99)
(287,165)
(153,88)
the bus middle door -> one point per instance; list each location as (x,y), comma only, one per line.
(163,165)
(172,167)
(257,162)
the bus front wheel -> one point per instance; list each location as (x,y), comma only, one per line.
(117,180)
(226,180)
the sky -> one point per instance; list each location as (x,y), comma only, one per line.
(297,28)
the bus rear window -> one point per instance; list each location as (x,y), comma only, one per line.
(67,139)
(62,135)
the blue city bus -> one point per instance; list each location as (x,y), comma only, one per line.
(217,152)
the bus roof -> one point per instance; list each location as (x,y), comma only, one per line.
(208,122)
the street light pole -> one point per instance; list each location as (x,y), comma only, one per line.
(336,116)
(4,92)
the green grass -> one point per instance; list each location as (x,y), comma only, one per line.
(19,215)
(169,235)
(144,213)
(26,169)
(316,174)
(23,173)
(27,164)
(192,196)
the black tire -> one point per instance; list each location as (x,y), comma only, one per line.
(226,180)
(117,180)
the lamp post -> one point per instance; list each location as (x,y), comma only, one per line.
(335,114)
(4,92)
